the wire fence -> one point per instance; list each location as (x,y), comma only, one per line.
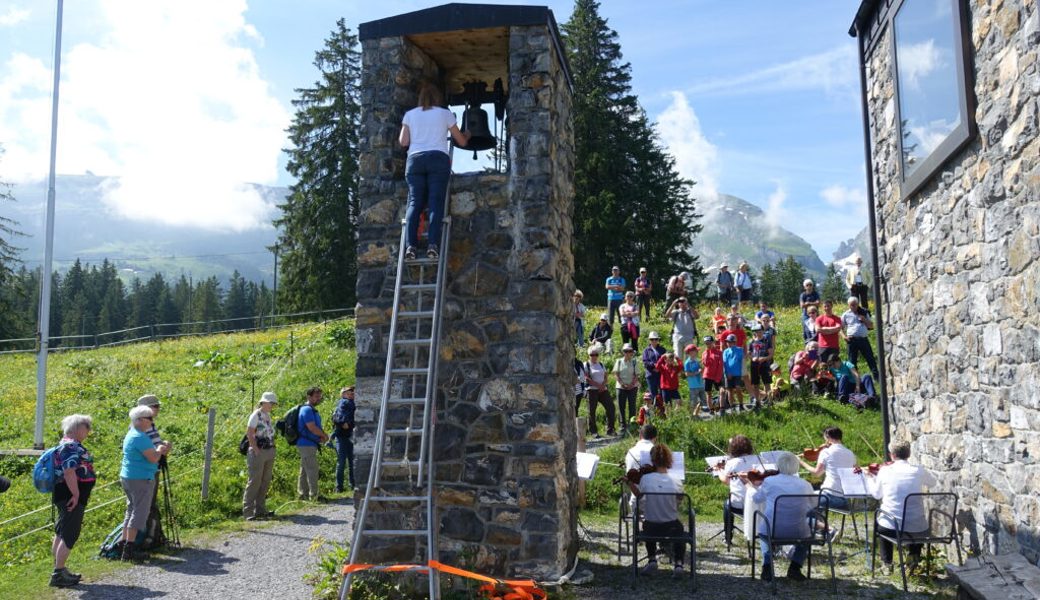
(161,331)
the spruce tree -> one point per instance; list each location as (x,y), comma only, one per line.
(631,208)
(833,288)
(317,229)
(9,322)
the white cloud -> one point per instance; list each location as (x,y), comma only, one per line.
(834,71)
(931,135)
(917,61)
(14,16)
(843,197)
(695,156)
(776,215)
(169,98)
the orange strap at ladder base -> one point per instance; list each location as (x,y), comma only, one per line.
(493,589)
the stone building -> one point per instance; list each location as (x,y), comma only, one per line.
(951,101)
(504,444)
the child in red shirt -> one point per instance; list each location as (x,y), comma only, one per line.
(711,362)
(669,367)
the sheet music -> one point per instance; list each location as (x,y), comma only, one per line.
(678,470)
(853,484)
(769,457)
(714,460)
(587,464)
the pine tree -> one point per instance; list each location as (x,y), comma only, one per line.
(317,238)
(833,288)
(631,208)
(9,322)
(236,304)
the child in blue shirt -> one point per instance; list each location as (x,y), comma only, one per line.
(733,364)
(695,380)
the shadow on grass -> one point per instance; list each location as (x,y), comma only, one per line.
(104,591)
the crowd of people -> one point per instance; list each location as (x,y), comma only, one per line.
(144,450)
(734,367)
(791,506)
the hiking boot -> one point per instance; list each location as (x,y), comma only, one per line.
(794,572)
(62,578)
(76,576)
(132,552)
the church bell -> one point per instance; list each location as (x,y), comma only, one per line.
(475,121)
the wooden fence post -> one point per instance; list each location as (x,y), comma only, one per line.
(209,453)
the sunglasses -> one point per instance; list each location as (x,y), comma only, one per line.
(149,418)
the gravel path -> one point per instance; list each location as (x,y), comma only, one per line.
(727,574)
(268,561)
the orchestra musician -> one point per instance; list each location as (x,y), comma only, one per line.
(833,455)
(741,460)
(787,520)
(891,484)
(660,513)
(639,454)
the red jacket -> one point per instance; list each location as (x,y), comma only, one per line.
(669,371)
(711,358)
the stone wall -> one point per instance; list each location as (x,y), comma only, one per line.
(962,286)
(505,442)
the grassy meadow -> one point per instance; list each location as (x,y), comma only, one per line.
(791,425)
(189,376)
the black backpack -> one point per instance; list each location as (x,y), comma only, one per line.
(289,425)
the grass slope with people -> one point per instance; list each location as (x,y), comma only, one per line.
(189,376)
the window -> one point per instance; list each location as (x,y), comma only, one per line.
(934,98)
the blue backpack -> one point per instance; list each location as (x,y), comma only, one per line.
(47,471)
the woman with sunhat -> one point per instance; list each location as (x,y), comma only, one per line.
(259,459)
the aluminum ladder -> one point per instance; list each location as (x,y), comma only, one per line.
(407,412)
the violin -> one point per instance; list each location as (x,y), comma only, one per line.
(873,468)
(757,477)
(813,454)
(717,466)
(634,476)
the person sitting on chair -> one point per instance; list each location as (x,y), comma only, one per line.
(790,519)
(891,485)
(639,454)
(832,457)
(741,460)
(660,513)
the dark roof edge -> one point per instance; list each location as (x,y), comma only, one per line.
(866,9)
(455,16)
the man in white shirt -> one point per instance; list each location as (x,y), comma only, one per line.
(789,518)
(639,454)
(833,457)
(891,485)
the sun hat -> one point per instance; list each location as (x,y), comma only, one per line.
(627,348)
(642,269)
(148,400)
(756,327)
(654,336)
(349,388)
(604,317)
(269,397)
(774,367)
(807,282)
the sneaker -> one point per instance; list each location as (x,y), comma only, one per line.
(678,571)
(832,535)
(252,518)
(62,579)
(431,252)
(651,567)
(409,254)
(267,514)
(794,572)
(76,576)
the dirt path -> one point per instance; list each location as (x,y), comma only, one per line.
(268,561)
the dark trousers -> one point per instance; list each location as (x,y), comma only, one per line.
(626,400)
(728,513)
(860,291)
(427,175)
(846,386)
(597,397)
(668,528)
(612,309)
(644,304)
(653,384)
(887,547)
(861,345)
(344,459)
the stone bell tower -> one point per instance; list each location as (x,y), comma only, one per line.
(504,440)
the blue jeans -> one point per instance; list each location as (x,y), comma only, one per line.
(579,325)
(653,383)
(344,458)
(427,174)
(800,552)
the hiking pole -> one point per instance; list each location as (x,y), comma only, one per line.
(171,520)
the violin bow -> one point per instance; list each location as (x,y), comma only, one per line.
(720,450)
(879,456)
(807,436)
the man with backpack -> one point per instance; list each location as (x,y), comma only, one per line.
(311,436)
(343,419)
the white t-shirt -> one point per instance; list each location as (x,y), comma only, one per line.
(892,485)
(597,372)
(790,517)
(737,487)
(638,455)
(659,509)
(833,458)
(428,129)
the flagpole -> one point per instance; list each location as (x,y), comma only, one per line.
(44,321)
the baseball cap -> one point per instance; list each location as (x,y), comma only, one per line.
(731,338)
(654,335)
(269,397)
(756,327)
(774,367)
(807,282)
(690,348)
(349,388)
(708,339)
(642,269)
(615,268)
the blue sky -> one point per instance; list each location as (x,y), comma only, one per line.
(755,98)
